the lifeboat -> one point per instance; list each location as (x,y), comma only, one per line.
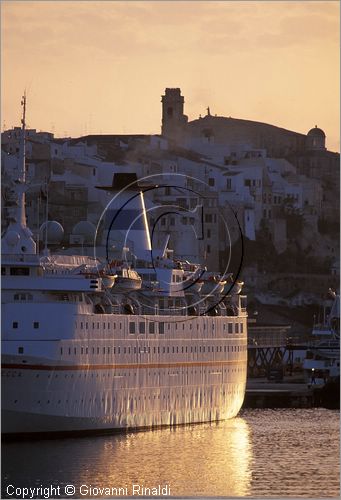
(213,284)
(127,280)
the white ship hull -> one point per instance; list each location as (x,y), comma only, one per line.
(146,388)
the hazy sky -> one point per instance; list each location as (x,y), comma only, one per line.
(101,67)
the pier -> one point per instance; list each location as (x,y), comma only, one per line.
(263,394)
(291,393)
(268,348)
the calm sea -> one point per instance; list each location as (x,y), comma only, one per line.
(277,453)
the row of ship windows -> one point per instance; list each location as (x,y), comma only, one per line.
(15,325)
(121,375)
(154,350)
(238,327)
(23,297)
(141,327)
(147,350)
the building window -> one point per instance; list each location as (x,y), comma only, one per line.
(142,327)
(20,350)
(208,233)
(36,324)
(151,327)
(208,218)
(208,248)
(131,327)
(3,271)
(230,328)
(161,328)
(15,324)
(211,181)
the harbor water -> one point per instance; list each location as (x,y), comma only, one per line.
(261,453)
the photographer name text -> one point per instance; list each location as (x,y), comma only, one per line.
(86,490)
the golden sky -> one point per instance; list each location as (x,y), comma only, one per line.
(101,66)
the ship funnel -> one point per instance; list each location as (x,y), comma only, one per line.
(125,219)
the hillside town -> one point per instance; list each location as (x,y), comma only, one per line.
(244,194)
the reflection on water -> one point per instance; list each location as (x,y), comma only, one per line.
(262,453)
(184,457)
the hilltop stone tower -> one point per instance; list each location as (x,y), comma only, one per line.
(173,119)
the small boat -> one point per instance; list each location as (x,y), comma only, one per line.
(108,280)
(193,285)
(212,284)
(127,280)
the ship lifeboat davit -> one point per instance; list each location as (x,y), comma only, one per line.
(194,286)
(234,289)
(213,284)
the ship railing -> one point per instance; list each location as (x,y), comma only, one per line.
(172,312)
(30,259)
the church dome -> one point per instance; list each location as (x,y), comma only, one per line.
(316,132)
(55,232)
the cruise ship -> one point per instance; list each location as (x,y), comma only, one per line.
(90,344)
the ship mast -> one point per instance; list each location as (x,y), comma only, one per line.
(21,182)
(18,237)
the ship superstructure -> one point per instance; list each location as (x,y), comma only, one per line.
(322,361)
(90,345)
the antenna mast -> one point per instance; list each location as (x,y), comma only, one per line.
(21,218)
